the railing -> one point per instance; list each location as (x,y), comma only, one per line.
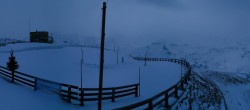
(208,81)
(22,78)
(151,103)
(48,86)
(71,93)
(11,41)
(67,92)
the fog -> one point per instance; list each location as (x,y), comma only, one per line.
(130,22)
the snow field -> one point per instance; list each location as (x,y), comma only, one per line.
(63,65)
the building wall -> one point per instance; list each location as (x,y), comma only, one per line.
(42,36)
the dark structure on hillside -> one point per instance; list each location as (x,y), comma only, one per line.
(41,36)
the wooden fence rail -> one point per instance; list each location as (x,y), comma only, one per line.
(70,93)
(163,97)
(16,76)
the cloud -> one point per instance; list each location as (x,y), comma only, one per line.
(206,21)
(163,3)
(129,21)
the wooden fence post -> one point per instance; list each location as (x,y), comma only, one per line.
(35,85)
(150,105)
(81,97)
(113,94)
(69,93)
(176,92)
(188,78)
(136,90)
(12,76)
(185,80)
(182,85)
(166,101)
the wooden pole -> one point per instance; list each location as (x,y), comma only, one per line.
(69,93)
(35,86)
(113,94)
(102,56)
(12,76)
(166,100)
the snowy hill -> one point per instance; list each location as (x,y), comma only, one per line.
(226,65)
(228,58)
(153,50)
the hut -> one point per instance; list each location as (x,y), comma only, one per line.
(41,36)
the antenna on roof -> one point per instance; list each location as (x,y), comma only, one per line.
(105,1)
(29,25)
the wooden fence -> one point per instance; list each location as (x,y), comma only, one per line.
(16,76)
(11,42)
(151,103)
(67,92)
(48,86)
(71,93)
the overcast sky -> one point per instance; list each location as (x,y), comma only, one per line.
(132,22)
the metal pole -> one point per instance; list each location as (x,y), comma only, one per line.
(102,56)
(145,64)
(181,71)
(81,64)
(117,55)
(139,81)
(29,25)
(81,75)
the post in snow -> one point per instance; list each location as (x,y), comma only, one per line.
(102,56)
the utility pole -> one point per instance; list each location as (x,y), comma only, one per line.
(102,56)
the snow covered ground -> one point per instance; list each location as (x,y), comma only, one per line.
(227,65)
(61,63)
